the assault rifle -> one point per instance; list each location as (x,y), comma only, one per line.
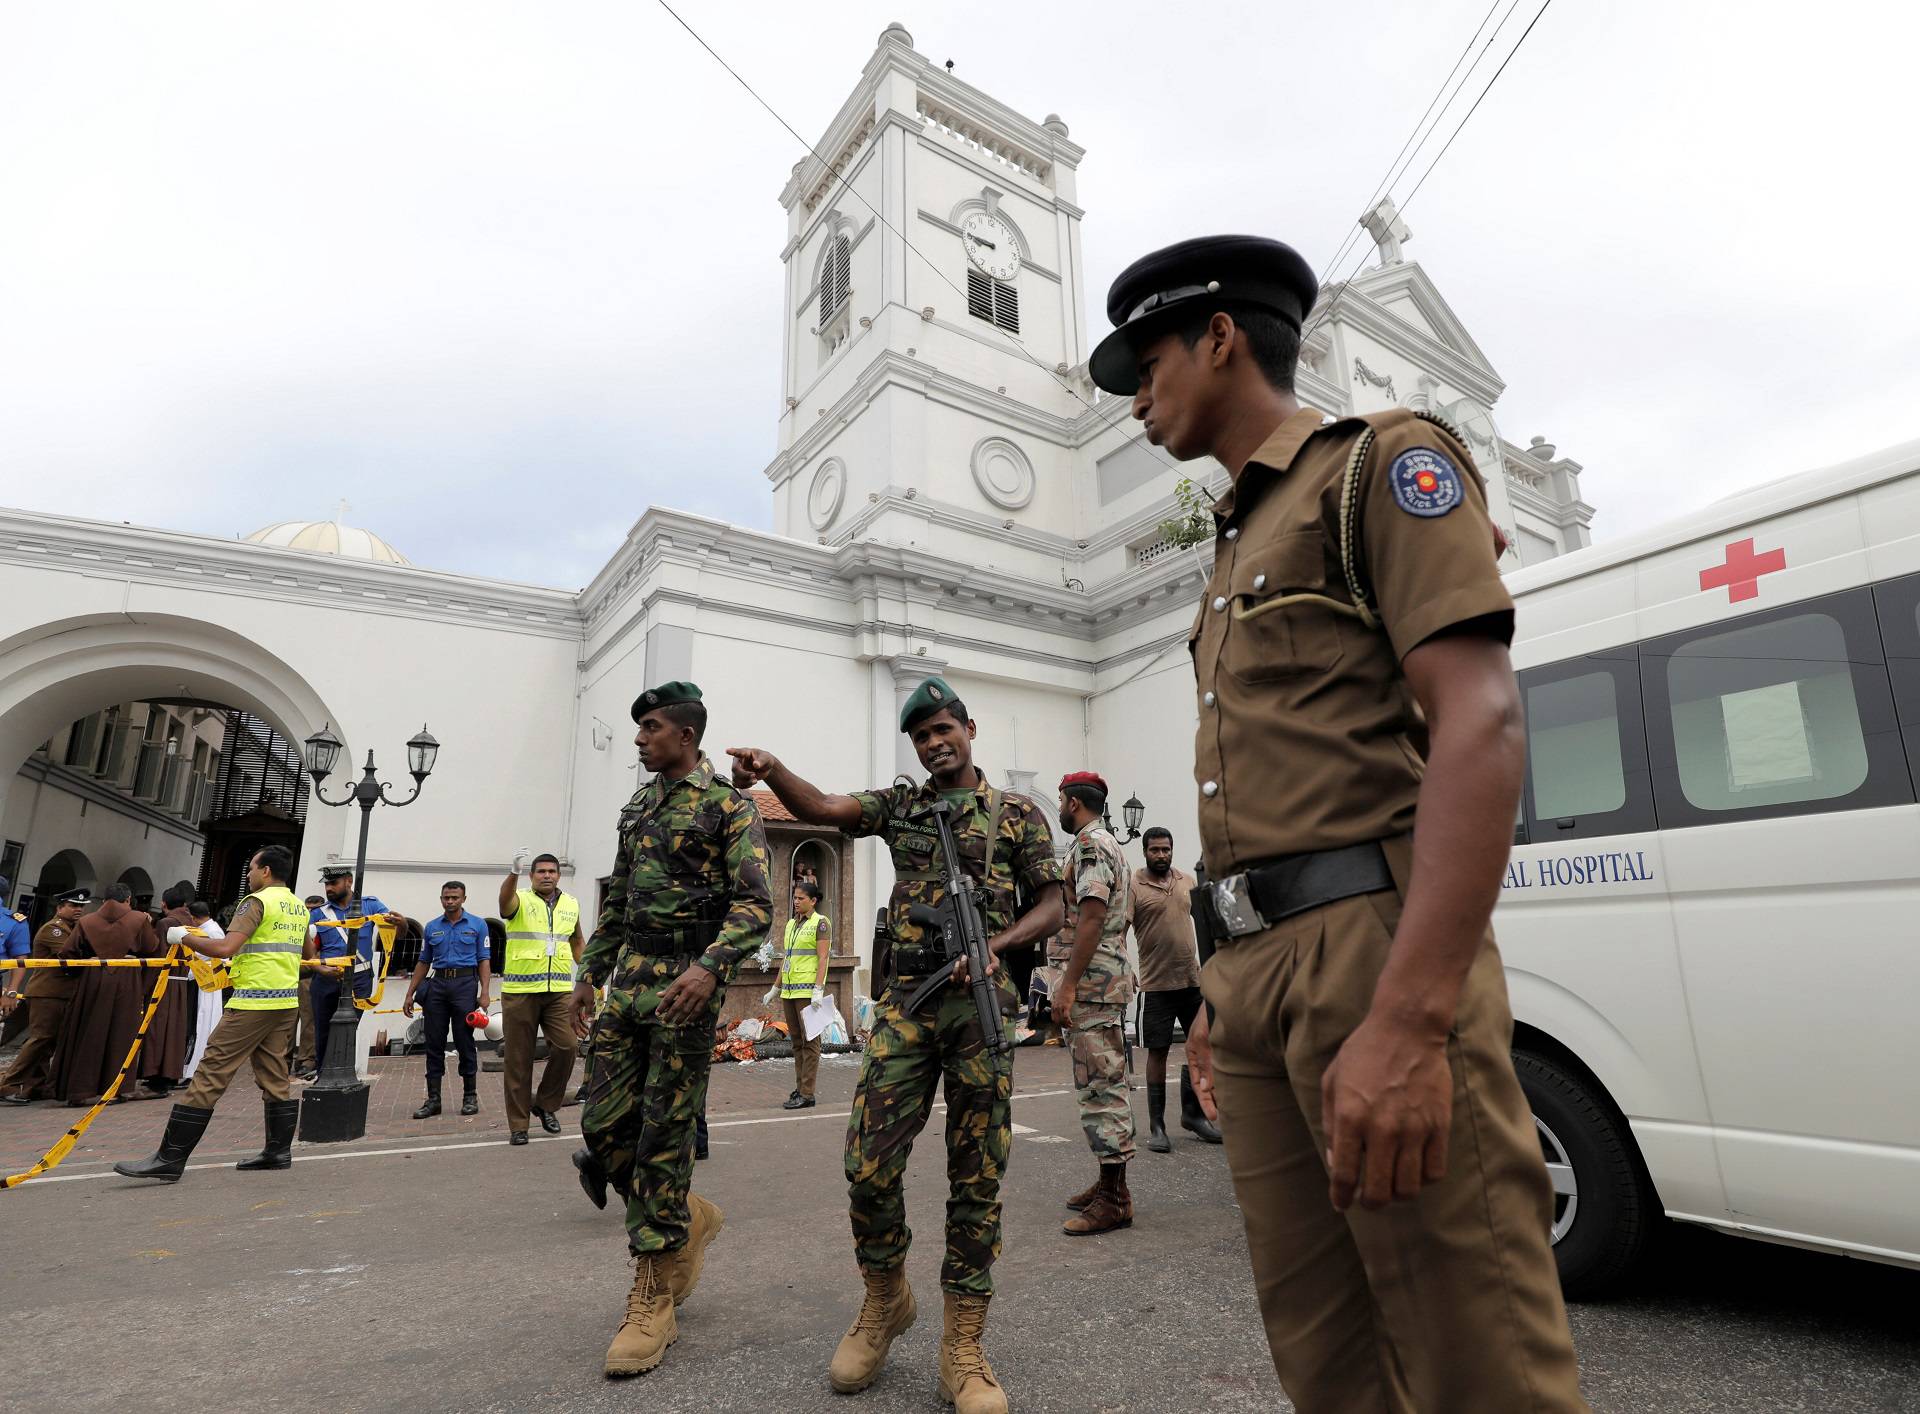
(961,921)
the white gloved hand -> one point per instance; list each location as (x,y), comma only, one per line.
(819,995)
(772,996)
(520,858)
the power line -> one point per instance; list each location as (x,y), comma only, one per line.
(1394,166)
(1332,304)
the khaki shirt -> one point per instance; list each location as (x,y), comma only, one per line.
(1163,928)
(1097,869)
(1309,736)
(54,982)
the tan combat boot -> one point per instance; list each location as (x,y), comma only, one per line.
(1111,1206)
(704,1221)
(966,1380)
(886,1312)
(649,1328)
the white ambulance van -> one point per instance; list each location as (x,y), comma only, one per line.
(1711,917)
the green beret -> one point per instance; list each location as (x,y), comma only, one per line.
(933,695)
(664,695)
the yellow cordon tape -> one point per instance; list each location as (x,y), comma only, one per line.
(211,977)
(64,1145)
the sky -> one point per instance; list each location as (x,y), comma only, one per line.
(503,275)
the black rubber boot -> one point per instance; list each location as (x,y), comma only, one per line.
(282,1116)
(1157,1118)
(1191,1115)
(184,1128)
(593,1178)
(431,1107)
(470,1100)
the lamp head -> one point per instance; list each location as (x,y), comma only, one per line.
(421,753)
(323,753)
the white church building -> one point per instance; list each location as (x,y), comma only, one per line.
(950,494)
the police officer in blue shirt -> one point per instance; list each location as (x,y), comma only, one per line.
(459,953)
(326,938)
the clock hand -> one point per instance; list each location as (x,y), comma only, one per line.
(988,244)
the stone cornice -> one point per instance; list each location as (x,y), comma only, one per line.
(855,571)
(936,512)
(1408,278)
(181,560)
(79,783)
(1026,263)
(1361,311)
(934,86)
(894,369)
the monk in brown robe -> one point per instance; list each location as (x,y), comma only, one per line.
(163,1055)
(107,1001)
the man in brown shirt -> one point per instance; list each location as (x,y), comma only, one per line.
(1170,980)
(1351,657)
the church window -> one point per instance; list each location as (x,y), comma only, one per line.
(993,301)
(834,278)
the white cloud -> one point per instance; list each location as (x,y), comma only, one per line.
(504,275)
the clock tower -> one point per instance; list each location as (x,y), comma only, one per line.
(934,323)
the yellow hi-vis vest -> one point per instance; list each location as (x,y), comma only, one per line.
(538,958)
(800,970)
(266,970)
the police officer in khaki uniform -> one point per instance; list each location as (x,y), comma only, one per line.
(47,991)
(1351,656)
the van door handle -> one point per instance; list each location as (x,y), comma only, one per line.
(1566,824)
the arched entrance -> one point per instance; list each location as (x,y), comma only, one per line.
(64,871)
(140,884)
(55,674)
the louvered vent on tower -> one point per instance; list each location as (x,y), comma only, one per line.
(997,303)
(835,276)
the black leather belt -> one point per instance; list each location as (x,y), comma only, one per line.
(1253,901)
(455,971)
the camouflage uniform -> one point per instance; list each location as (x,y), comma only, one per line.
(908,1055)
(1097,869)
(691,867)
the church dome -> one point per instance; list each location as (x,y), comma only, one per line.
(329,537)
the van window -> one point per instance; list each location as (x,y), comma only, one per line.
(1766,715)
(1573,745)
(1588,774)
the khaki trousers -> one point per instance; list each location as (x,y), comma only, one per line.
(806,1054)
(1449,1302)
(260,1036)
(522,1015)
(33,1063)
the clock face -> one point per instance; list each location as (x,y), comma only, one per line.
(991,245)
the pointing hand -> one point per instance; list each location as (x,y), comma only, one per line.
(751,765)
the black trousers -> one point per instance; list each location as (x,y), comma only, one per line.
(446,1002)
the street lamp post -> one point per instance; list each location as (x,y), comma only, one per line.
(1133,812)
(334,1107)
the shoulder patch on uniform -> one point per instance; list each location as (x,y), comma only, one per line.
(1425,482)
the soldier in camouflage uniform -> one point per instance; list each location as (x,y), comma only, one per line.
(1001,839)
(1090,999)
(688,898)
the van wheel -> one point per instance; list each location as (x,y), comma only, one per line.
(1604,1209)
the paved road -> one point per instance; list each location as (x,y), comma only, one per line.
(432,1267)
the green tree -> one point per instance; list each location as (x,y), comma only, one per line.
(1194,523)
